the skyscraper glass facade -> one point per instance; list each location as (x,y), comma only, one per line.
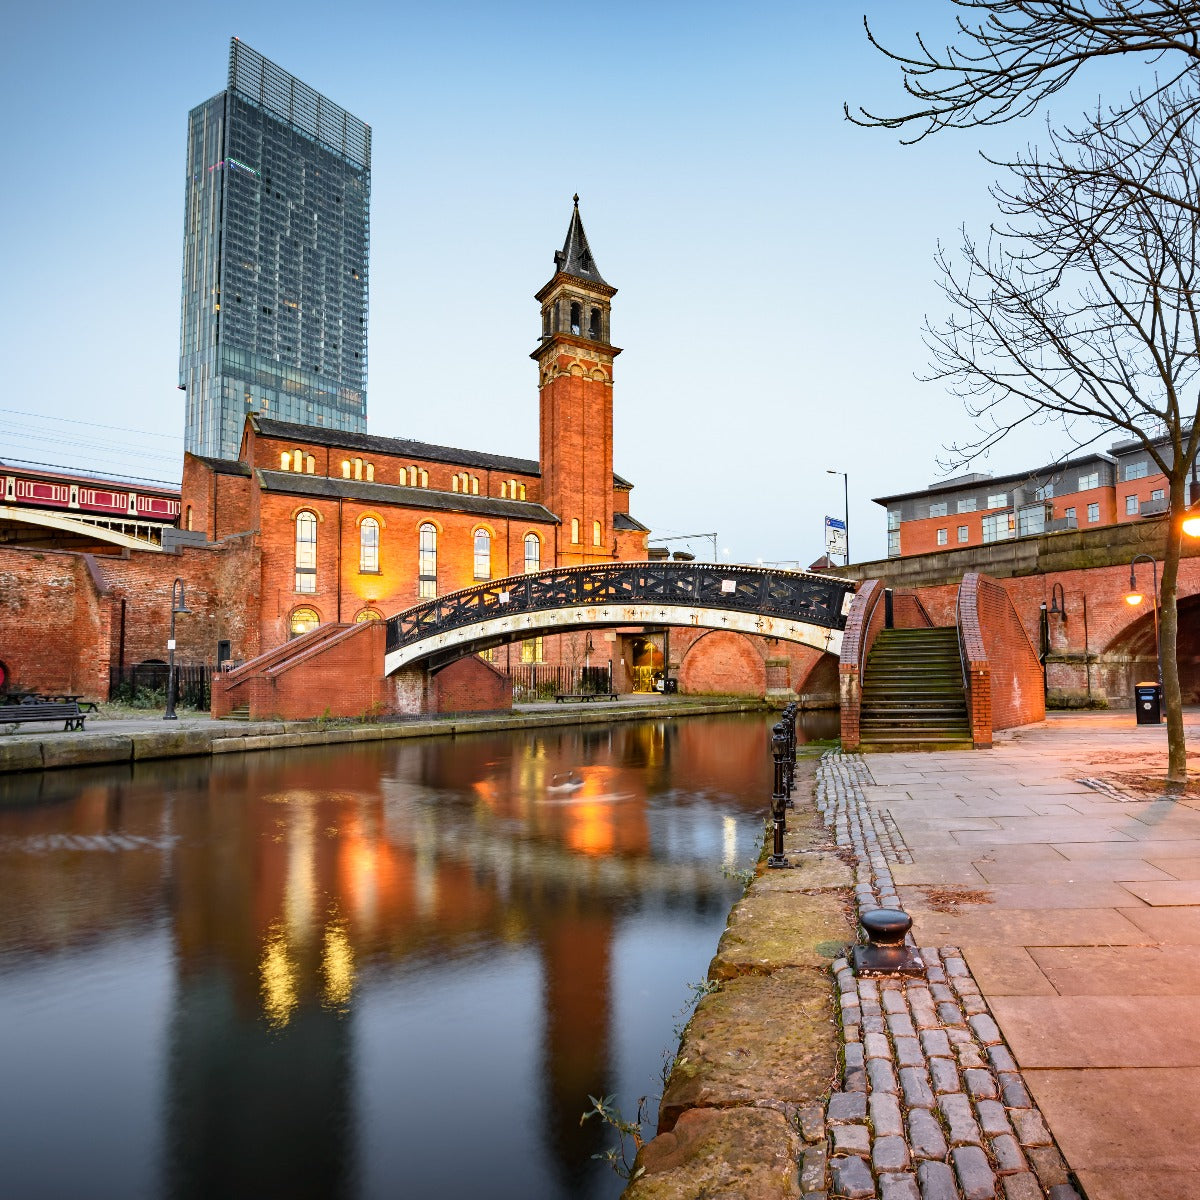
(276,242)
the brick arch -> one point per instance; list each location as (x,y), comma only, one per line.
(1129,657)
(374,516)
(821,677)
(441,529)
(310,508)
(723,663)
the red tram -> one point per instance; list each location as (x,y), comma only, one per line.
(25,487)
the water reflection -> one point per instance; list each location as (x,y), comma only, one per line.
(377,971)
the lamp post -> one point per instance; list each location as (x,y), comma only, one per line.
(178,606)
(1135,597)
(845,507)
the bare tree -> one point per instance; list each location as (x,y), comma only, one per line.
(1009,55)
(1084,309)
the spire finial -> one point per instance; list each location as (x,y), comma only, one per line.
(576,199)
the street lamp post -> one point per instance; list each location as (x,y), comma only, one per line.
(178,606)
(845,506)
(1135,597)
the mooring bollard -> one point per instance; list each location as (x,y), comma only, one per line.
(887,954)
(778,796)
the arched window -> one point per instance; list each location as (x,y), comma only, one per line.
(594,324)
(370,472)
(304,620)
(306,552)
(310,465)
(188,525)
(427,562)
(574,531)
(368,545)
(412,477)
(522,491)
(285,461)
(345,468)
(503,490)
(597,534)
(576,317)
(474,485)
(297,460)
(358,468)
(483,554)
(454,484)
(368,614)
(533,552)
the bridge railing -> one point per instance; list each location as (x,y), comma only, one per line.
(792,595)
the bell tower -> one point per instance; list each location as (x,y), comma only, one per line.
(575,377)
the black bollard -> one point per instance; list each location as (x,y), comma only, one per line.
(789,718)
(887,954)
(777,858)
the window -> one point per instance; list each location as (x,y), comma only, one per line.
(306,552)
(1045,492)
(1157,494)
(941,537)
(503,491)
(999,500)
(893,519)
(531,651)
(938,510)
(427,562)
(521,488)
(370,469)
(488,655)
(368,545)
(575,531)
(1087,482)
(358,466)
(998,527)
(1031,520)
(894,543)
(594,324)
(297,460)
(1131,506)
(346,468)
(965,506)
(597,534)
(285,461)
(576,317)
(963,533)
(368,614)
(1136,470)
(483,554)
(533,552)
(1093,513)
(1070,514)
(304,620)
(188,523)
(412,476)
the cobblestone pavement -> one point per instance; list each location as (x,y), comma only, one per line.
(932,1105)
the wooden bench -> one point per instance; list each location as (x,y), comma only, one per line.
(28,712)
(565,697)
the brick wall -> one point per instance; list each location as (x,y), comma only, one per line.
(863,624)
(722,663)
(469,685)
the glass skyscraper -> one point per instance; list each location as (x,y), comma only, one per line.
(275,247)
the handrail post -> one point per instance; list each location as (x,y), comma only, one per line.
(777,858)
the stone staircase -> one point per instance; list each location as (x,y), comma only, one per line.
(912,692)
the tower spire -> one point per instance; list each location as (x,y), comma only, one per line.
(575,258)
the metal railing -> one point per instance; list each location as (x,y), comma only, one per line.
(146,684)
(814,599)
(544,681)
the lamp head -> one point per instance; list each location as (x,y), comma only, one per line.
(1133,599)
(1191,525)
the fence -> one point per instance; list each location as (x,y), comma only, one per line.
(146,684)
(544,681)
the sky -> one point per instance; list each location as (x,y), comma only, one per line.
(774,262)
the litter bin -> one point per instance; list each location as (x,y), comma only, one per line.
(1147,701)
(671,686)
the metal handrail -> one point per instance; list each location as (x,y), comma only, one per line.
(962,650)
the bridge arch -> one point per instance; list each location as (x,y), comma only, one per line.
(1129,657)
(130,534)
(789,605)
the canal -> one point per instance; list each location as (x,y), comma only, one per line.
(389,970)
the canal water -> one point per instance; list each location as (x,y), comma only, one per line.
(394,970)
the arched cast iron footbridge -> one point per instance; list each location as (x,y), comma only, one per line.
(791,605)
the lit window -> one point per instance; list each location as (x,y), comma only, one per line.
(346,468)
(412,476)
(1137,470)
(531,651)
(1093,513)
(297,460)
(968,505)
(488,655)
(358,465)
(575,531)
(533,552)
(1131,506)
(310,465)
(368,545)
(503,491)
(285,461)
(424,478)
(370,472)
(1087,482)
(483,554)
(941,537)
(306,552)
(304,620)
(427,564)
(454,484)
(963,533)
(597,534)
(474,485)
(368,614)
(522,496)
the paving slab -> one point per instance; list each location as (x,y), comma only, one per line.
(1008,971)
(1176,868)
(1070,871)
(1172,894)
(1118,970)
(982,925)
